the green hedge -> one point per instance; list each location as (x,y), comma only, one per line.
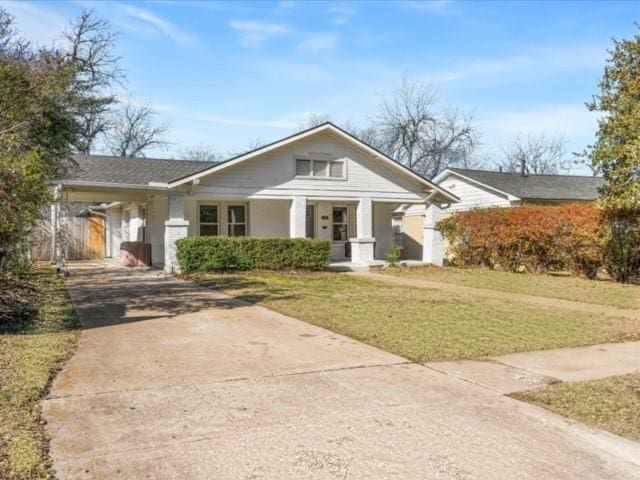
(208,254)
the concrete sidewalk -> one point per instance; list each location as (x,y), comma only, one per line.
(172,380)
(575,364)
(523,371)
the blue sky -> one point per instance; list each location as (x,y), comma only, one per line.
(228,73)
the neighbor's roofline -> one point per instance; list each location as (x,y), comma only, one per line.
(445,173)
(484,170)
(306,133)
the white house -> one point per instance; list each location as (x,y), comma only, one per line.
(484,189)
(320,183)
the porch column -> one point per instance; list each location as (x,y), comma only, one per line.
(135,223)
(175,228)
(433,245)
(362,247)
(298,217)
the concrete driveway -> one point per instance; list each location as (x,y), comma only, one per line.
(174,381)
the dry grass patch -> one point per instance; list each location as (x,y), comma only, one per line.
(420,324)
(602,292)
(612,404)
(34,343)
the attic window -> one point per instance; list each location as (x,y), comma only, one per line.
(320,168)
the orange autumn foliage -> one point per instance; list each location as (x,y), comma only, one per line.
(537,238)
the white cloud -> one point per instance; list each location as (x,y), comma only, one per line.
(297,72)
(36,24)
(342,13)
(253,32)
(160,25)
(541,61)
(316,43)
(570,120)
(430,6)
(286,122)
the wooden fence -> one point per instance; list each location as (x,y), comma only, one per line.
(79,238)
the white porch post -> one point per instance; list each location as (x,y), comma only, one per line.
(362,247)
(433,245)
(298,217)
(175,228)
(135,223)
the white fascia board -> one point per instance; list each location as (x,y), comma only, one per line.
(294,138)
(129,186)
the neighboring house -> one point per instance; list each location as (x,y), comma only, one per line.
(483,189)
(320,183)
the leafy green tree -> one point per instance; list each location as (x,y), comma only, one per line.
(616,155)
(616,152)
(37,129)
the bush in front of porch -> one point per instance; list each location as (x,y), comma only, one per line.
(211,254)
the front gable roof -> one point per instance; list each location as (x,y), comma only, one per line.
(163,174)
(325,127)
(532,187)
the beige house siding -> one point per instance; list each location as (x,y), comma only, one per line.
(413,227)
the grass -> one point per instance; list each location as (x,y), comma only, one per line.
(420,324)
(611,404)
(37,334)
(600,292)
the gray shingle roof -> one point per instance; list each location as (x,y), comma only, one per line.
(538,187)
(131,171)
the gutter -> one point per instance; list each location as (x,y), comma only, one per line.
(135,186)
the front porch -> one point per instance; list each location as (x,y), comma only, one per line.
(359,229)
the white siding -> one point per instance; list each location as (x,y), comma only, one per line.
(273,174)
(471,195)
(269,218)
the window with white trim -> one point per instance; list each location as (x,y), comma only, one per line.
(306,167)
(208,220)
(237,220)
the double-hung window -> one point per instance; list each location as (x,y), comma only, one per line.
(306,167)
(237,220)
(208,220)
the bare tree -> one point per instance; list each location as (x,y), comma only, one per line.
(91,43)
(133,131)
(200,153)
(539,155)
(414,131)
(12,46)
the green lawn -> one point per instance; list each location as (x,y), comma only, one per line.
(601,292)
(418,323)
(33,346)
(611,404)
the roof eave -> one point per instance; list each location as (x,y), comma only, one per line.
(83,183)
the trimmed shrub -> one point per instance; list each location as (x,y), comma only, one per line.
(535,238)
(209,254)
